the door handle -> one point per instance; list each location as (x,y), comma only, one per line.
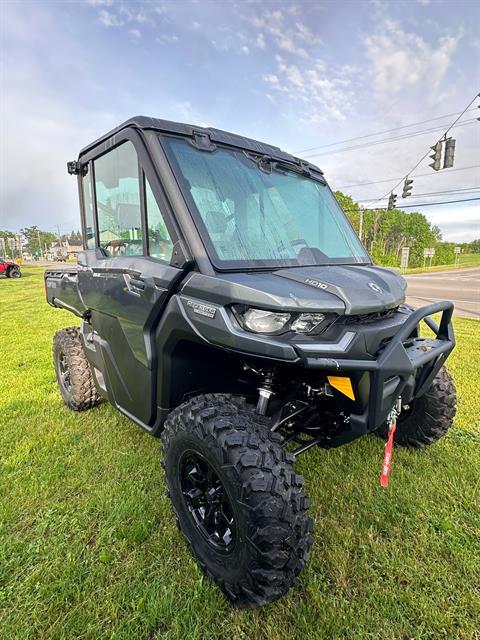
(135,286)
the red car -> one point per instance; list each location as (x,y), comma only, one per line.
(9,269)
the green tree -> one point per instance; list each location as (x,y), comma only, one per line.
(386,232)
(36,240)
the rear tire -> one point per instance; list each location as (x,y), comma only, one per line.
(74,378)
(258,552)
(14,273)
(428,417)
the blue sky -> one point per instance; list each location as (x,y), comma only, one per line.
(296,74)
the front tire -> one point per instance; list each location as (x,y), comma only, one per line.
(14,273)
(74,378)
(237,499)
(427,418)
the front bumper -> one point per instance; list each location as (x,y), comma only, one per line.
(405,367)
(388,354)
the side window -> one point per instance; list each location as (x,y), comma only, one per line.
(117,188)
(159,241)
(88,204)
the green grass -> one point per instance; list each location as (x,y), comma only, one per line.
(89,549)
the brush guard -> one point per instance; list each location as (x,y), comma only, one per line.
(405,367)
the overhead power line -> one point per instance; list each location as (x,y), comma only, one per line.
(419,175)
(378,133)
(374,143)
(464,190)
(445,133)
(410,206)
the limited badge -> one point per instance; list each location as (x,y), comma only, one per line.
(202,309)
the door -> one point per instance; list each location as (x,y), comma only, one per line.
(129,277)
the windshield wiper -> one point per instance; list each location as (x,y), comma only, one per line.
(267,164)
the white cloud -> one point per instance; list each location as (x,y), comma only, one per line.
(167,38)
(261,41)
(325,96)
(400,60)
(245,50)
(293,39)
(100,3)
(109,19)
(135,33)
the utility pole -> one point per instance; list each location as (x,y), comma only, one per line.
(39,243)
(360,226)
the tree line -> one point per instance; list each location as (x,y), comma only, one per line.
(34,240)
(385,233)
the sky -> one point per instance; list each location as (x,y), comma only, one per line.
(304,76)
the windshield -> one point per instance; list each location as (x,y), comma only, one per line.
(252,215)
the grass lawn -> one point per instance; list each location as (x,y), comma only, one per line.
(465,261)
(89,548)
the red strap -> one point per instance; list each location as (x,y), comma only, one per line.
(387,460)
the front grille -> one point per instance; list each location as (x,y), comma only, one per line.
(366,318)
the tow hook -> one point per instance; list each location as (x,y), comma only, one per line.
(392,425)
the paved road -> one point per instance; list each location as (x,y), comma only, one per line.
(462,286)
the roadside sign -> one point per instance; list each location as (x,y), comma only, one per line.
(428,253)
(404,258)
(457,250)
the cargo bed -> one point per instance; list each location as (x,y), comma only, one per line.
(61,288)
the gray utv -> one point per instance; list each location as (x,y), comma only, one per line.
(226,304)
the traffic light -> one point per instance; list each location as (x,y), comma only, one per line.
(391,201)
(436,156)
(407,188)
(449,153)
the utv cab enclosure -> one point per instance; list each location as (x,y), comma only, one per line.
(225,302)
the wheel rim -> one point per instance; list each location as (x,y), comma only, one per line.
(64,372)
(207,502)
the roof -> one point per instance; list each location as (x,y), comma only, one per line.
(215,135)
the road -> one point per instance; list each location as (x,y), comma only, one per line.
(462,286)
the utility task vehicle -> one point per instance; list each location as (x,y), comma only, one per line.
(9,268)
(226,304)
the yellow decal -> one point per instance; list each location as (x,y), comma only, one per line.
(343,385)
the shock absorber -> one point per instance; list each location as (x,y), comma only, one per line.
(265,391)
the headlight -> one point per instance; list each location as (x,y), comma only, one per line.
(261,321)
(307,322)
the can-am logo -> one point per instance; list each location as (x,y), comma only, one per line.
(316,283)
(374,287)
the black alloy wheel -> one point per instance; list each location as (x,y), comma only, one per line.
(207,501)
(64,371)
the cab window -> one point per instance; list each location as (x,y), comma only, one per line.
(117,187)
(88,206)
(160,244)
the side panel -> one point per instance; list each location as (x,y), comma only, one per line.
(126,297)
